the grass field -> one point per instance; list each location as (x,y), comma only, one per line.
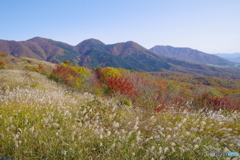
(40,119)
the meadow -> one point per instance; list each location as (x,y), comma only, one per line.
(47,115)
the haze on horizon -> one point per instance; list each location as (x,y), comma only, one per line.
(211,26)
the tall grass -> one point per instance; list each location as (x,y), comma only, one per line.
(39,119)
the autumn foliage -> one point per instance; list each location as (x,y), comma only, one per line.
(3,63)
(121,85)
(65,75)
(157,94)
(108,72)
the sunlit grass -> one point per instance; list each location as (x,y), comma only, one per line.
(48,121)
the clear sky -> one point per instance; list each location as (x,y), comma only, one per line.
(211,26)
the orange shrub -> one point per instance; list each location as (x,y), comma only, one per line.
(121,85)
(3,63)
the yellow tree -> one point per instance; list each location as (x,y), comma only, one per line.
(109,72)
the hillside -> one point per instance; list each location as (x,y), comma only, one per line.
(73,113)
(191,55)
(24,62)
(93,53)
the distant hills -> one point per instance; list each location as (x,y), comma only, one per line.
(191,55)
(93,53)
(233,57)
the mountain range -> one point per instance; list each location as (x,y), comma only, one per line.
(191,55)
(233,57)
(92,53)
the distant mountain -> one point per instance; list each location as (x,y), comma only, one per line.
(191,55)
(92,53)
(233,57)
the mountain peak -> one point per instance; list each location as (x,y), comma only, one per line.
(36,38)
(135,45)
(131,42)
(91,41)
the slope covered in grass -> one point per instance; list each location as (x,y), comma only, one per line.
(40,119)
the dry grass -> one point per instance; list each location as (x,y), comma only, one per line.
(42,120)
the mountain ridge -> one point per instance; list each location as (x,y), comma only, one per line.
(190,55)
(233,57)
(92,53)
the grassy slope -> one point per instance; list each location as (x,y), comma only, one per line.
(23,62)
(42,120)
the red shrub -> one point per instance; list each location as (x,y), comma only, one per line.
(40,67)
(163,102)
(64,71)
(220,103)
(64,74)
(178,100)
(159,108)
(121,85)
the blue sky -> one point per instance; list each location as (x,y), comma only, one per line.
(211,26)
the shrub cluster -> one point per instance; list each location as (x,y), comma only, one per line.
(152,93)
